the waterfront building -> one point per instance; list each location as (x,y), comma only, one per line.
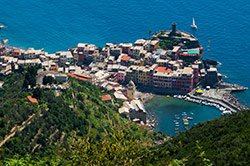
(180,80)
(152,45)
(115,51)
(212,78)
(162,78)
(126,47)
(140,42)
(183,80)
(85,53)
(31,53)
(105,52)
(16,53)
(141,75)
(190,55)
(65,58)
(195,68)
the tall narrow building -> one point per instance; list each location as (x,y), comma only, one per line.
(131,90)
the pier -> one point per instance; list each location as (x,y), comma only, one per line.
(231,87)
(221,98)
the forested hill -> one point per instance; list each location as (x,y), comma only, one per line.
(224,141)
(60,119)
(75,127)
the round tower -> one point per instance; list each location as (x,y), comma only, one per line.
(174,29)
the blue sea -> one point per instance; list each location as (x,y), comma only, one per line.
(59,24)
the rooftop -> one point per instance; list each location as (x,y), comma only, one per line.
(32,100)
(163,70)
(106,98)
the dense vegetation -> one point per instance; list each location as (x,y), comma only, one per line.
(75,127)
(77,114)
(224,141)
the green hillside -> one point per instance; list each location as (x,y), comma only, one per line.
(75,127)
(225,141)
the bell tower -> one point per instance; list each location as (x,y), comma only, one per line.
(131,90)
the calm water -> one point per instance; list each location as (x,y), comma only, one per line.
(166,109)
(59,24)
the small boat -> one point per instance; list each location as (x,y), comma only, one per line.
(226,112)
(185,121)
(177,117)
(194,26)
(190,118)
(176,129)
(2,26)
(4,41)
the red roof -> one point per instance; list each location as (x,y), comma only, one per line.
(80,77)
(32,100)
(53,67)
(106,98)
(163,70)
(126,58)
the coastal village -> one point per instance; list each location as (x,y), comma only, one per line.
(170,63)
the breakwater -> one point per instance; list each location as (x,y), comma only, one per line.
(220,98)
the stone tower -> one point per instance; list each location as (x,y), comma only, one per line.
(174,28)
(131,90)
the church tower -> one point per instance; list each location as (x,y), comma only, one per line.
(131,90)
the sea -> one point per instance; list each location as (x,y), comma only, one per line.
(55,25)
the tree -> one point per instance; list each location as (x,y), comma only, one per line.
(37,93)
(48,80)
(30,77)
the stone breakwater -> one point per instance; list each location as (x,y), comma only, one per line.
(220,98)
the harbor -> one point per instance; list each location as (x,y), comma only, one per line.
(168,110)
(220,98)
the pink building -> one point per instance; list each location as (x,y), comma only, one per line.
(121,75)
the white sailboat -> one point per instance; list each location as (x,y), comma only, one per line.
(194,26)
(1,26)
